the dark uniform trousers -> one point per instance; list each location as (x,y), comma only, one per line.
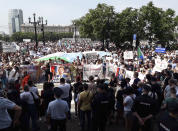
(58,125)
(6,129)
(146,127)
(99,123)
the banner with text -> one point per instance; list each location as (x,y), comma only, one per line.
(94,70)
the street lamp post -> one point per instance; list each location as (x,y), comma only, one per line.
(35,23)
(42,28)
(75,32)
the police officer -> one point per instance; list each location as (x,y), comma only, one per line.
(168,121)
(143,110)
(100,108)
(57,112)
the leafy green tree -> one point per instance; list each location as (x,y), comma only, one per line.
(159,25)
(1,37)
(97,23)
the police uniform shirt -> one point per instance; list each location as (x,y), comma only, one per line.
(27,97)
(5,120)
(100,105)
(34,90)
(167,123)
(66,89)
(57,109)
(144,105)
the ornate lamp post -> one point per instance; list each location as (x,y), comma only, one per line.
(42,27)
(35,23)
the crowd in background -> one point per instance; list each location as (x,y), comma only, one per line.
(147,103)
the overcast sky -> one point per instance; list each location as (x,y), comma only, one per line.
(62,12)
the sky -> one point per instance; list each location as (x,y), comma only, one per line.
(62,12)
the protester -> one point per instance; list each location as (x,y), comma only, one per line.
(6,123)
(128,103)
(84,104)
(78,87)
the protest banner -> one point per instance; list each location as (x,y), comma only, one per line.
(8,48)
(128,55)
(160,65)
(60,71)
(92,56)
(94,70)
(26,40)
(110,69)
(160,50)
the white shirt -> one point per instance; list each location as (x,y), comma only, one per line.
(129,103)
(65,88)
(12,77)
(34,90)
(27,97)
(5,120)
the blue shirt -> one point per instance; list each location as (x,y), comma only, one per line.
(5,120)
(57,109)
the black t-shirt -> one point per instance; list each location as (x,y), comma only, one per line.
(144,105)
(78,87)
(47,97)
(119,98)
(167,123)
(47,72)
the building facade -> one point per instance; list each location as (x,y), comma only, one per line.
(15,20)
(57,29)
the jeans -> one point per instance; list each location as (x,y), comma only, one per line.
(82,119)
(55,124)
(31,113)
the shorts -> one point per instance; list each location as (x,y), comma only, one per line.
(128,114)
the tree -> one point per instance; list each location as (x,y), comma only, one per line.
(1,37)
(126,25)
(158,24)
(149,23)
(97,23)
(49,36)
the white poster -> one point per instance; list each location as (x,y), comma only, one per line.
(8,48)
(94,70)
(128,55)
(160,65)
(129,74)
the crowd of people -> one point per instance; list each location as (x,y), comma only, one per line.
(148,101)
